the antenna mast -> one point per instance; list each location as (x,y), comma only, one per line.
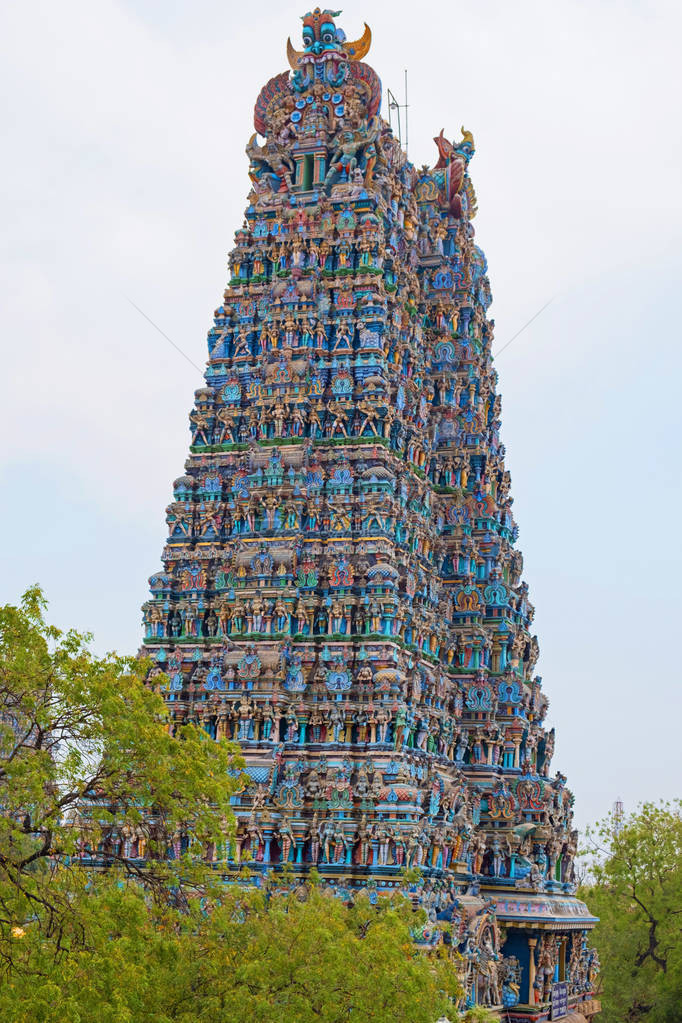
(618,813)
(407,139)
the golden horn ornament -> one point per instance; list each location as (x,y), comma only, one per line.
(360,48)
(293,56)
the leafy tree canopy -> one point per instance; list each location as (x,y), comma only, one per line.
(262,956)
(86,759)
(637,893)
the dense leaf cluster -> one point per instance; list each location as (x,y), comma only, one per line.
(637,893)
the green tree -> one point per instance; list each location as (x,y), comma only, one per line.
(637,893)
(263,956)
(86,759)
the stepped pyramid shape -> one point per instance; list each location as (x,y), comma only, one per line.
(341,593)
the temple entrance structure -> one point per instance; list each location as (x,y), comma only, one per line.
(341,592)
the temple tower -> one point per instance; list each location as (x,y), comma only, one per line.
(341,591)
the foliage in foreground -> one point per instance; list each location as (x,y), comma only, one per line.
(148,939)
(262,957)
(637,893)
(86,764)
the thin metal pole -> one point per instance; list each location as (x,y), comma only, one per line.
(394,105)
(407,145)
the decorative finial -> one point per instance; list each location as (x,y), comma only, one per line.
(321,37)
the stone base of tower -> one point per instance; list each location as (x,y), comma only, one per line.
(547,933)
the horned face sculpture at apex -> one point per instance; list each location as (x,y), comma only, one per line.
(341,592)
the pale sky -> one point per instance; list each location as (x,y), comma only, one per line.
(124,176)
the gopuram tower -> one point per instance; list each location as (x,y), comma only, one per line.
(341,592)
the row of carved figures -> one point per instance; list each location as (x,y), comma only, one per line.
(386,843)
(398,726)
(344,418)
(371,844)
(421,631)
(285,512)
(300,346)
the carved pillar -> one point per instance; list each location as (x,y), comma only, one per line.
(532,942)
